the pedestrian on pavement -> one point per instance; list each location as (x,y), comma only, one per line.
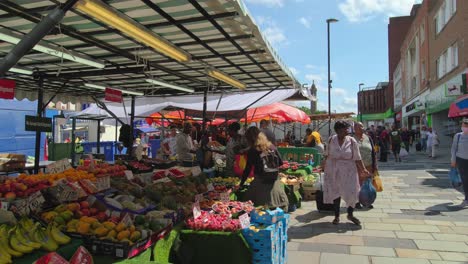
(395,142)
(318,141)
(406,138)
(267,131)
(460,157)
(429,142)
(366,149)
(383,143)
(342,169)
(435,143)
(424,135)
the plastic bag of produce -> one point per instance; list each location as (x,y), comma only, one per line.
(367,194)
(455,178)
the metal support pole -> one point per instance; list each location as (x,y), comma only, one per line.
(40,101)
(98,143)
(205,95)
(329,81)
(73,141)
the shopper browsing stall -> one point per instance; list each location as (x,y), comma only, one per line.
(267,131)
(266,188)
(235,144)
(184,145)
(169,144)
(342,169)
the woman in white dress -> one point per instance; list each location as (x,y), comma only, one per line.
(342,170)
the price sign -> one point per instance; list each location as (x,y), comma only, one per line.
(196,210)
(58,166)
(127,220)
(224,196)
(129,175)
(244,220)
(210,187)
(3,205)
(103,183)
(196,171)
(115,214)
(36,200)
(199,198)
(20,207)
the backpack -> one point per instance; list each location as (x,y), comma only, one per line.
(270,161)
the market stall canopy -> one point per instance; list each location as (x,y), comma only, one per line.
(214,36)
(235,101)
(277,111)
(459,108)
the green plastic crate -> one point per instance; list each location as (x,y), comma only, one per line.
(299,154)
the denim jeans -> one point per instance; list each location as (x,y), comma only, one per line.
(423,144)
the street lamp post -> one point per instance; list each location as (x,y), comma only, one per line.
(330,20)
(360,102)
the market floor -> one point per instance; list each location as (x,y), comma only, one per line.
(415,220)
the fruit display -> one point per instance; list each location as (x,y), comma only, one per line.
(229,181)
(138,167)
(290,179)
(27,236)
(213,222)
(176,173)
(104,169)
(159,163)
(126,203)
(21,187)
(232,207)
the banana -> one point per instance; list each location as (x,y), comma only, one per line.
(47,242)
(57,235)
(22,236)
(4,256)
(18,246)
(6,245)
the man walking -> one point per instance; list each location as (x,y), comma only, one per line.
(395,141)
(424,139)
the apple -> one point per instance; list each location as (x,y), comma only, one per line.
(93,211)
(10,196)
(73,207)
(85,212)
(101,216)
(84,204)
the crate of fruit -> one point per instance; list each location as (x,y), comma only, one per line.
(266,217)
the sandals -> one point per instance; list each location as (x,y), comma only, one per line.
(354,220)
(336,221)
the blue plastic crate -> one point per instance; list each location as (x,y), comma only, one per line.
(286,219)
(268,217)
(265,233)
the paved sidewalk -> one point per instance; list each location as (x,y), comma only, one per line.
(415,220)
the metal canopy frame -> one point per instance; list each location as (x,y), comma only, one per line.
(215,33)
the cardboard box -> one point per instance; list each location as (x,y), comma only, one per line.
(12,162)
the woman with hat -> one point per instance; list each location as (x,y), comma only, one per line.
(342,169)
(460,157)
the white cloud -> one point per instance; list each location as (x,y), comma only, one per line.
(364,10)
(305,21)
(311,67)
(268,3)
(350,101)
(294,71)
(338,91)
(314,78)
(272,31)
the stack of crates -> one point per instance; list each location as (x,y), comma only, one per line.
(267,237)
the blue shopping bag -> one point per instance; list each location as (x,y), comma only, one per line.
(455,178)
(367,194)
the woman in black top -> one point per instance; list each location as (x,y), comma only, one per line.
(264,189)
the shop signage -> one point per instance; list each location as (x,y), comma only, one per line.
(416,105)
(35,123)
(7,89)
(398,116)
(113,95)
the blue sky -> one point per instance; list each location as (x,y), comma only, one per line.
(298,31)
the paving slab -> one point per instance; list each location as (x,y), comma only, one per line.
(303,257)
(442,245)
(389,242)
(319,247)
(372,251)
(416,253)
(331,258)
(389,260)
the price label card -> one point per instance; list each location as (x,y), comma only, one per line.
(127,220)
(20,207)
(244,220)
(196,171)
(3,205)
(196,210)
(115,214)
(36,200)
(224,196)
(58,166)
(129,175)
(210,187)
(199,198)
(103,183)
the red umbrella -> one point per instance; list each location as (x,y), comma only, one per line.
(279,112)
(174,115)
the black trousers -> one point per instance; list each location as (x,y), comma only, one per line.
(462,165)
(336,206)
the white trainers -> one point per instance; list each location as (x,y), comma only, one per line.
(464,203)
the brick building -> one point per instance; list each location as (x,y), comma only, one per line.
(373,106)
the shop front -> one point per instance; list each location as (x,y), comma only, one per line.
(413,113)
(437,108)
(379,119)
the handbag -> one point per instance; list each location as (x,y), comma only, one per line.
(377,181)
(455,178)
(240,161)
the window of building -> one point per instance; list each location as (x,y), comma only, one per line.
(447,61)
(422,33)
(423,73)
(444,14)
(454,56)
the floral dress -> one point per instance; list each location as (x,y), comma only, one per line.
(341,175)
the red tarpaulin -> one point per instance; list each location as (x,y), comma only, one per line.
(459,108)
(171,116)
(277,111)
